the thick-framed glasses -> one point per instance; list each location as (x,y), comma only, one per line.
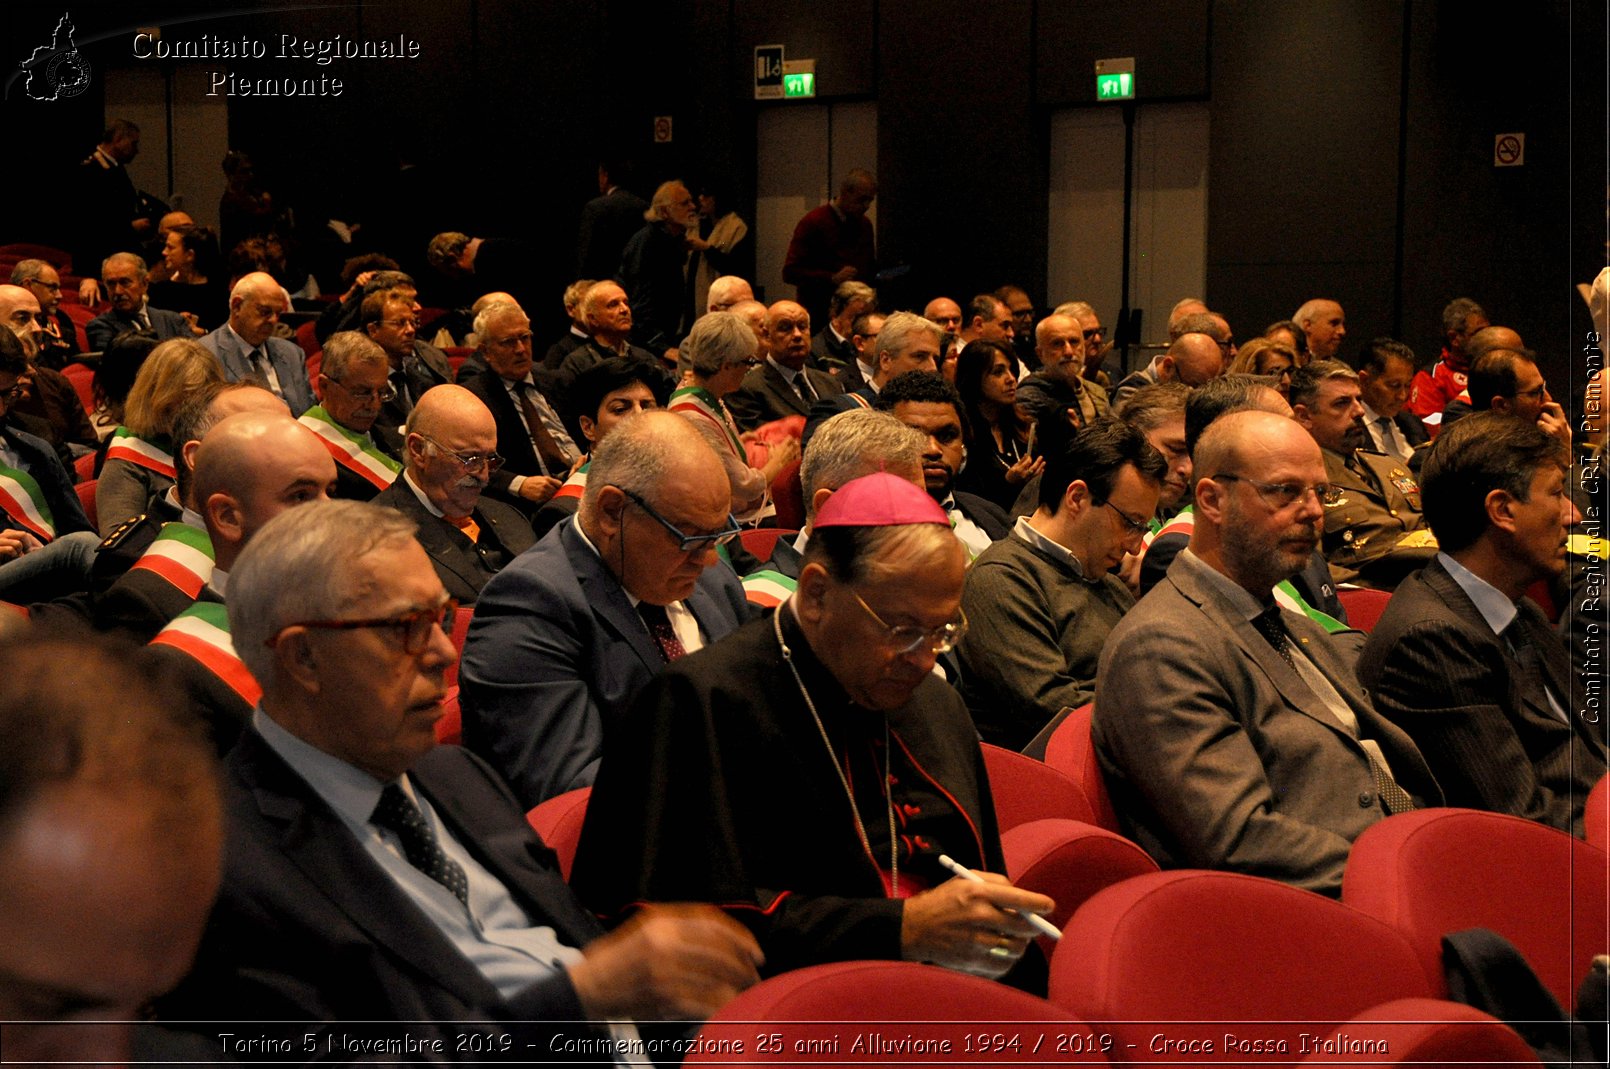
(388,392)
(414,627)
(908,638)
(686,542)
(1282,495)
(468,461)
(1132,525)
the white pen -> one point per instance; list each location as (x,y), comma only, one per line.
(1044,926)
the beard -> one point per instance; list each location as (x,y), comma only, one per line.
(1266,554)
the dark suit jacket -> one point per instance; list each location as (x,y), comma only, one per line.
(287,359)
(514,442)
(607,224)
(828,352)
(423,369)
(100,331)
(308,929)
(556,653)
(1219,755)
(464,567)
(989,516)
(765,395)
(1438,671)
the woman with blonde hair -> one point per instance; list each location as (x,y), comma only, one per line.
(1261,356)
(139,462)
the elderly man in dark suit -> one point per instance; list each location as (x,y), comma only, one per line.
(248,350)
(1231,733)
(124,276)
(565,637)
(451,454)
(391,318)
(1461,659)
(783,385)
(374,877)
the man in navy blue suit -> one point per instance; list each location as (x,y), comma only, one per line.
(247,348)
(565,636)
(124,276)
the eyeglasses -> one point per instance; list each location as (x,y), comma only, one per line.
(1536,392)
(469,461)
(53,287)
(511,341)
(686,542)
(386,393)
(908,638)
(1282,495)
(1134,526)
(415,627)
(400,324)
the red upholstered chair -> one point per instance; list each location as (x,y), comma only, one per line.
(80,315)
(789,497)
(1436,871)
(1070,752)
(86,497)
(1597,814)
(760,541)
(456,355)
(83,380)
(461,630)
(1364,607)
(1193,967)
(1026,789)
(1070,861)
(559,821)
(450,728)
(832,1011)
(20,250)
(84,467)
(307,339)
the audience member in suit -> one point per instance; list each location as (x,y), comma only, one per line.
(1384,380)
(58,337)
(112,844)
(602,396)
(451,451)
(51,395)
(375,274)
(565,636)
(1041,602)
(391,319)
(925,401)
(608,222)
(576,335)
(248,349)
(832,348)
(654,269)
(905,342)
(608,314)
(537,450)
(1230,732)
(411,888)
(124,276)
(783,385)
(353,385)
(864,331)
(727,292)
(1461,659)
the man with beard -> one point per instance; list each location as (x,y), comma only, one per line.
(1230,732)
(1374,531)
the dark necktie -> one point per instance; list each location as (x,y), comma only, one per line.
(549,454)
(399,382)
(396,812)
(1393,796)
(1534,680)
(803,386)
(659,627)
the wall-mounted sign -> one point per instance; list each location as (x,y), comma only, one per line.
(1509,150)
(799,78)
(768,72)
(1115,78)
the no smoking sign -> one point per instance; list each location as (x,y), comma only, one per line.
(1509,150)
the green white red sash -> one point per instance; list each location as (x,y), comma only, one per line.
(576,484)
(202,631)
(128,446)
(182,555)
(353,451)
(702,402)
(768,588)
(23,501)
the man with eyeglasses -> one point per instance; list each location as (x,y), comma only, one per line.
(391,319)
(1507,381)
(565,636)
(373,876)
(352,386)
(538,450)
(1231,733)
(451,456)
(1374,531)
(807,772)
(58,338)
(1043,600)
(249,351)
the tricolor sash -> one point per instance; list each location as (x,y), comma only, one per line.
(768,588)
(130,447)
(23,501)
(702,402)
(353,451)
(202,631)
(182,555)
(576,484)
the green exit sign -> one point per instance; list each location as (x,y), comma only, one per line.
(799,85)
(1119,86)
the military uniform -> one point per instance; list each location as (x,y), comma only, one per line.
(1375,534)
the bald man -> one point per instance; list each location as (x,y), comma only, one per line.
(1193,358)
(782,385)
(946,312)
(1324,324)
(565,636)
(248,349)
(451,440)
(1231,733)
(51,395)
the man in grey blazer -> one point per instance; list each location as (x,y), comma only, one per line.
(565,636)
(248,350)
(1231,734)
